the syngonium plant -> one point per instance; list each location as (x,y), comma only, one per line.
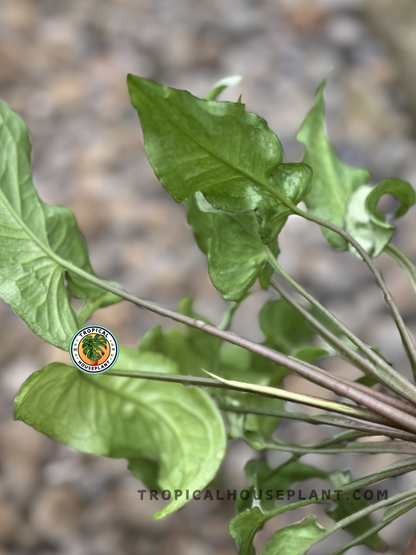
(227,166)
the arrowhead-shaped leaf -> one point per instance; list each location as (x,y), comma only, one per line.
(35,238)
(333,181)
(201,145)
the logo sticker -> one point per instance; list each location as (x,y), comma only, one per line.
(94,349)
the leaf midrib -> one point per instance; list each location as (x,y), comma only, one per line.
(144,406)
(237,169)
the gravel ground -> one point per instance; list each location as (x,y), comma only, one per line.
(63,68)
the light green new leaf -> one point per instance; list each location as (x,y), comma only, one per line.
(296,539)
(66,241)
(222,84)
(333,181)
(366,224)
(178,428)
(236,254)
(201,145)
(372,234)
(402,190)
(34,238)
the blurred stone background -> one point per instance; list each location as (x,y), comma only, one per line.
(63,69)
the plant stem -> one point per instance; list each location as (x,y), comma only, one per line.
(407,339)
(411,494)
(403,261)
(395,469)
(388,376)
(350,392)
(328,420)
(343,349)
(316,375)
(400,404)
(376,528)
(372,447)
(332,406)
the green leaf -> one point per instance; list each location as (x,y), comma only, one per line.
(372,234)
(244,527)
(235,255)
(347,505)
(366,380)
(262,478)
(395,511)
(296,539)
(366,224)
(200,145)
(402,190)
(333,181)
(292,181)
(66,241)
(36,241)
(238,363)
(191,350)
(201,223)
(309,354)
(178,428)
(284,327)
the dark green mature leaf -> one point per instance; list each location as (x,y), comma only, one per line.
(34,238)
(366,224)
(178,428)
(235,255)
(200,145)
(333,181)
(284,327)
(347,505)
(235,160)
(292,181)
(296,539)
